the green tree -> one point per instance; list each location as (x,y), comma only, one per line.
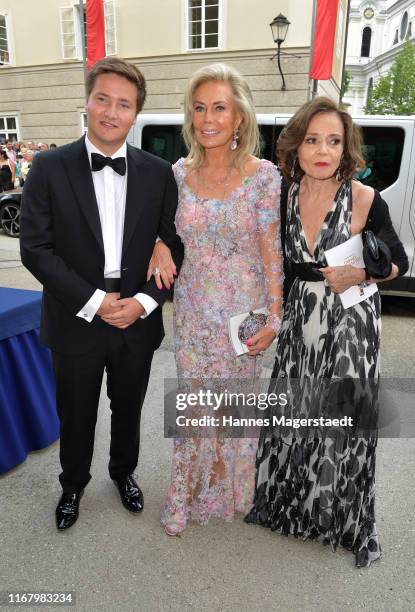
(345,83)
(394,93)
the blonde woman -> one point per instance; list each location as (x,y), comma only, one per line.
(26,163)
(228,220)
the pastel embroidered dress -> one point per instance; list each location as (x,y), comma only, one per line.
(232,265)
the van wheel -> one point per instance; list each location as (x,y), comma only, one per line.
(10,219)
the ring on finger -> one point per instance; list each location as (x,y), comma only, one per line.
(156,271)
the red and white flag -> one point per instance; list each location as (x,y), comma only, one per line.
(323,50)
(95,31)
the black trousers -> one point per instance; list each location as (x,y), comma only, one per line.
(78,385)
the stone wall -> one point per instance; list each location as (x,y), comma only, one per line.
(49,100)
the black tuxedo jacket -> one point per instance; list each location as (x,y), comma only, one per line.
(61,242)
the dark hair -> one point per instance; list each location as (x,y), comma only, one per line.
(4,154)
(294,132)
(115,65)
(52,145)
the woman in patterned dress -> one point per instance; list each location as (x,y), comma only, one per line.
(228,220)
(316,484)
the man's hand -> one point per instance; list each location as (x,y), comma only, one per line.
(340,278)
(128,312)
(109,305)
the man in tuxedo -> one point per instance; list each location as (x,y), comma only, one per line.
(91,213)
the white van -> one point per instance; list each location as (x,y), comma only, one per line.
(389,147)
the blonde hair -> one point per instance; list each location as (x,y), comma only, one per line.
(248,132)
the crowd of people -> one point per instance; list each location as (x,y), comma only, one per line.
(229,226)
(16,159)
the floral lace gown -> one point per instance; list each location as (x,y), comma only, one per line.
(322,487)
(232,264)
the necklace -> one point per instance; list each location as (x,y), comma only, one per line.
(214,184)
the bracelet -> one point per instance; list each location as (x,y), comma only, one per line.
(274,321)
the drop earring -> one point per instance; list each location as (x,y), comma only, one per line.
(234,143)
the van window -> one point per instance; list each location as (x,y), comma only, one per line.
(383,147)
(164,141)
(269,137)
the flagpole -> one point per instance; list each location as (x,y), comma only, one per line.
(81,18)
(346,36)
(312,92)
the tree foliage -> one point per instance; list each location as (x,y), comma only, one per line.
(345,83)
(394,93)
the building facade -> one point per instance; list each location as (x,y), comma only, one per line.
(377,32)
(41,70)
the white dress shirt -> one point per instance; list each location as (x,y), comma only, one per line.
(111,191)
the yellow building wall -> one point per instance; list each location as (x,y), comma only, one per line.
(146,28)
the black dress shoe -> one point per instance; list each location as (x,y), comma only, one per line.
(67,511)
(131,494)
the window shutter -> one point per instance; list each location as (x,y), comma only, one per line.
(4,45)
(110,32)
(68,32)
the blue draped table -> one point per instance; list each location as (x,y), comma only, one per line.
(28,419)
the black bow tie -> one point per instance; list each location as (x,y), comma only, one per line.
(99,162)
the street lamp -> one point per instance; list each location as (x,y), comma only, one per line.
(279,28)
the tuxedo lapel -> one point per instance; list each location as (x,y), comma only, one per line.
(77,166)
(138,186)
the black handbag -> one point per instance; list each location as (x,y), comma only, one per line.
(376,255)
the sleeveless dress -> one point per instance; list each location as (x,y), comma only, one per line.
(222,275)
(314,486)
(5,178)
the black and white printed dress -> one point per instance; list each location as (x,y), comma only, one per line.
(320,486)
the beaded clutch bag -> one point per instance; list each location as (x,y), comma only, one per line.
(251,325)
(245,325)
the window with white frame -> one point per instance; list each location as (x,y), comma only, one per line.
(8,129)
(203,24)
(5,54)
(71,30)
